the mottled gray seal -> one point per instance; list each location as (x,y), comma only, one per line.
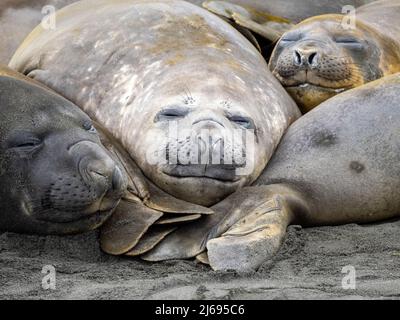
(165,61)
(337,164)
(55,176)
(324,56)
(164,64)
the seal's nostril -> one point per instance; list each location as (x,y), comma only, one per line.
(312,58)
(297,58)
(98,173)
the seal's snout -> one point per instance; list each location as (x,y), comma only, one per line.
(99,171)
(212,150)
(209,138)
(215,143)
(104,173)
(115,189)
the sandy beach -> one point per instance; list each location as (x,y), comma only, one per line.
(308,266)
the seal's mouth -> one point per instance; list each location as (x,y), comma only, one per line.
(88,218)
(311,86)
(222,173)
(91,222)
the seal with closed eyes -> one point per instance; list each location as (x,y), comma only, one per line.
(55,175)
(323,56)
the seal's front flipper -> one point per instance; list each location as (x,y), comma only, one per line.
(257,236)
(177,219)
(130,221)
(250,241)
(266,25)
(271,31)
(154,236)
(225,8)
(190,240)
(203,258)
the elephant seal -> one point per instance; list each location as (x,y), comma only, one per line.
(337,164)
(166,65)
(55,176)
(322,56)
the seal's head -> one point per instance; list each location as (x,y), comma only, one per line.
(55,176)
(202,142)
(323,56)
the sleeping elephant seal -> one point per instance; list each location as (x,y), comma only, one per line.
(142,68)
(337,164)
(55,176)
(322,56)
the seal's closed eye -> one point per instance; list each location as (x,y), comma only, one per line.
(171,113)
(287,41)
(291,37)
(23,141)
(349,41)
(242,121)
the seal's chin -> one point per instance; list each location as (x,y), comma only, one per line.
(71,221)
(68,227)
(70,217)
(197,185)
(225,173)
(308,95)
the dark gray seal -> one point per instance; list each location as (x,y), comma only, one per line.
(55,176)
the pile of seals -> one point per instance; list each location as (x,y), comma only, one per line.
(181,120)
